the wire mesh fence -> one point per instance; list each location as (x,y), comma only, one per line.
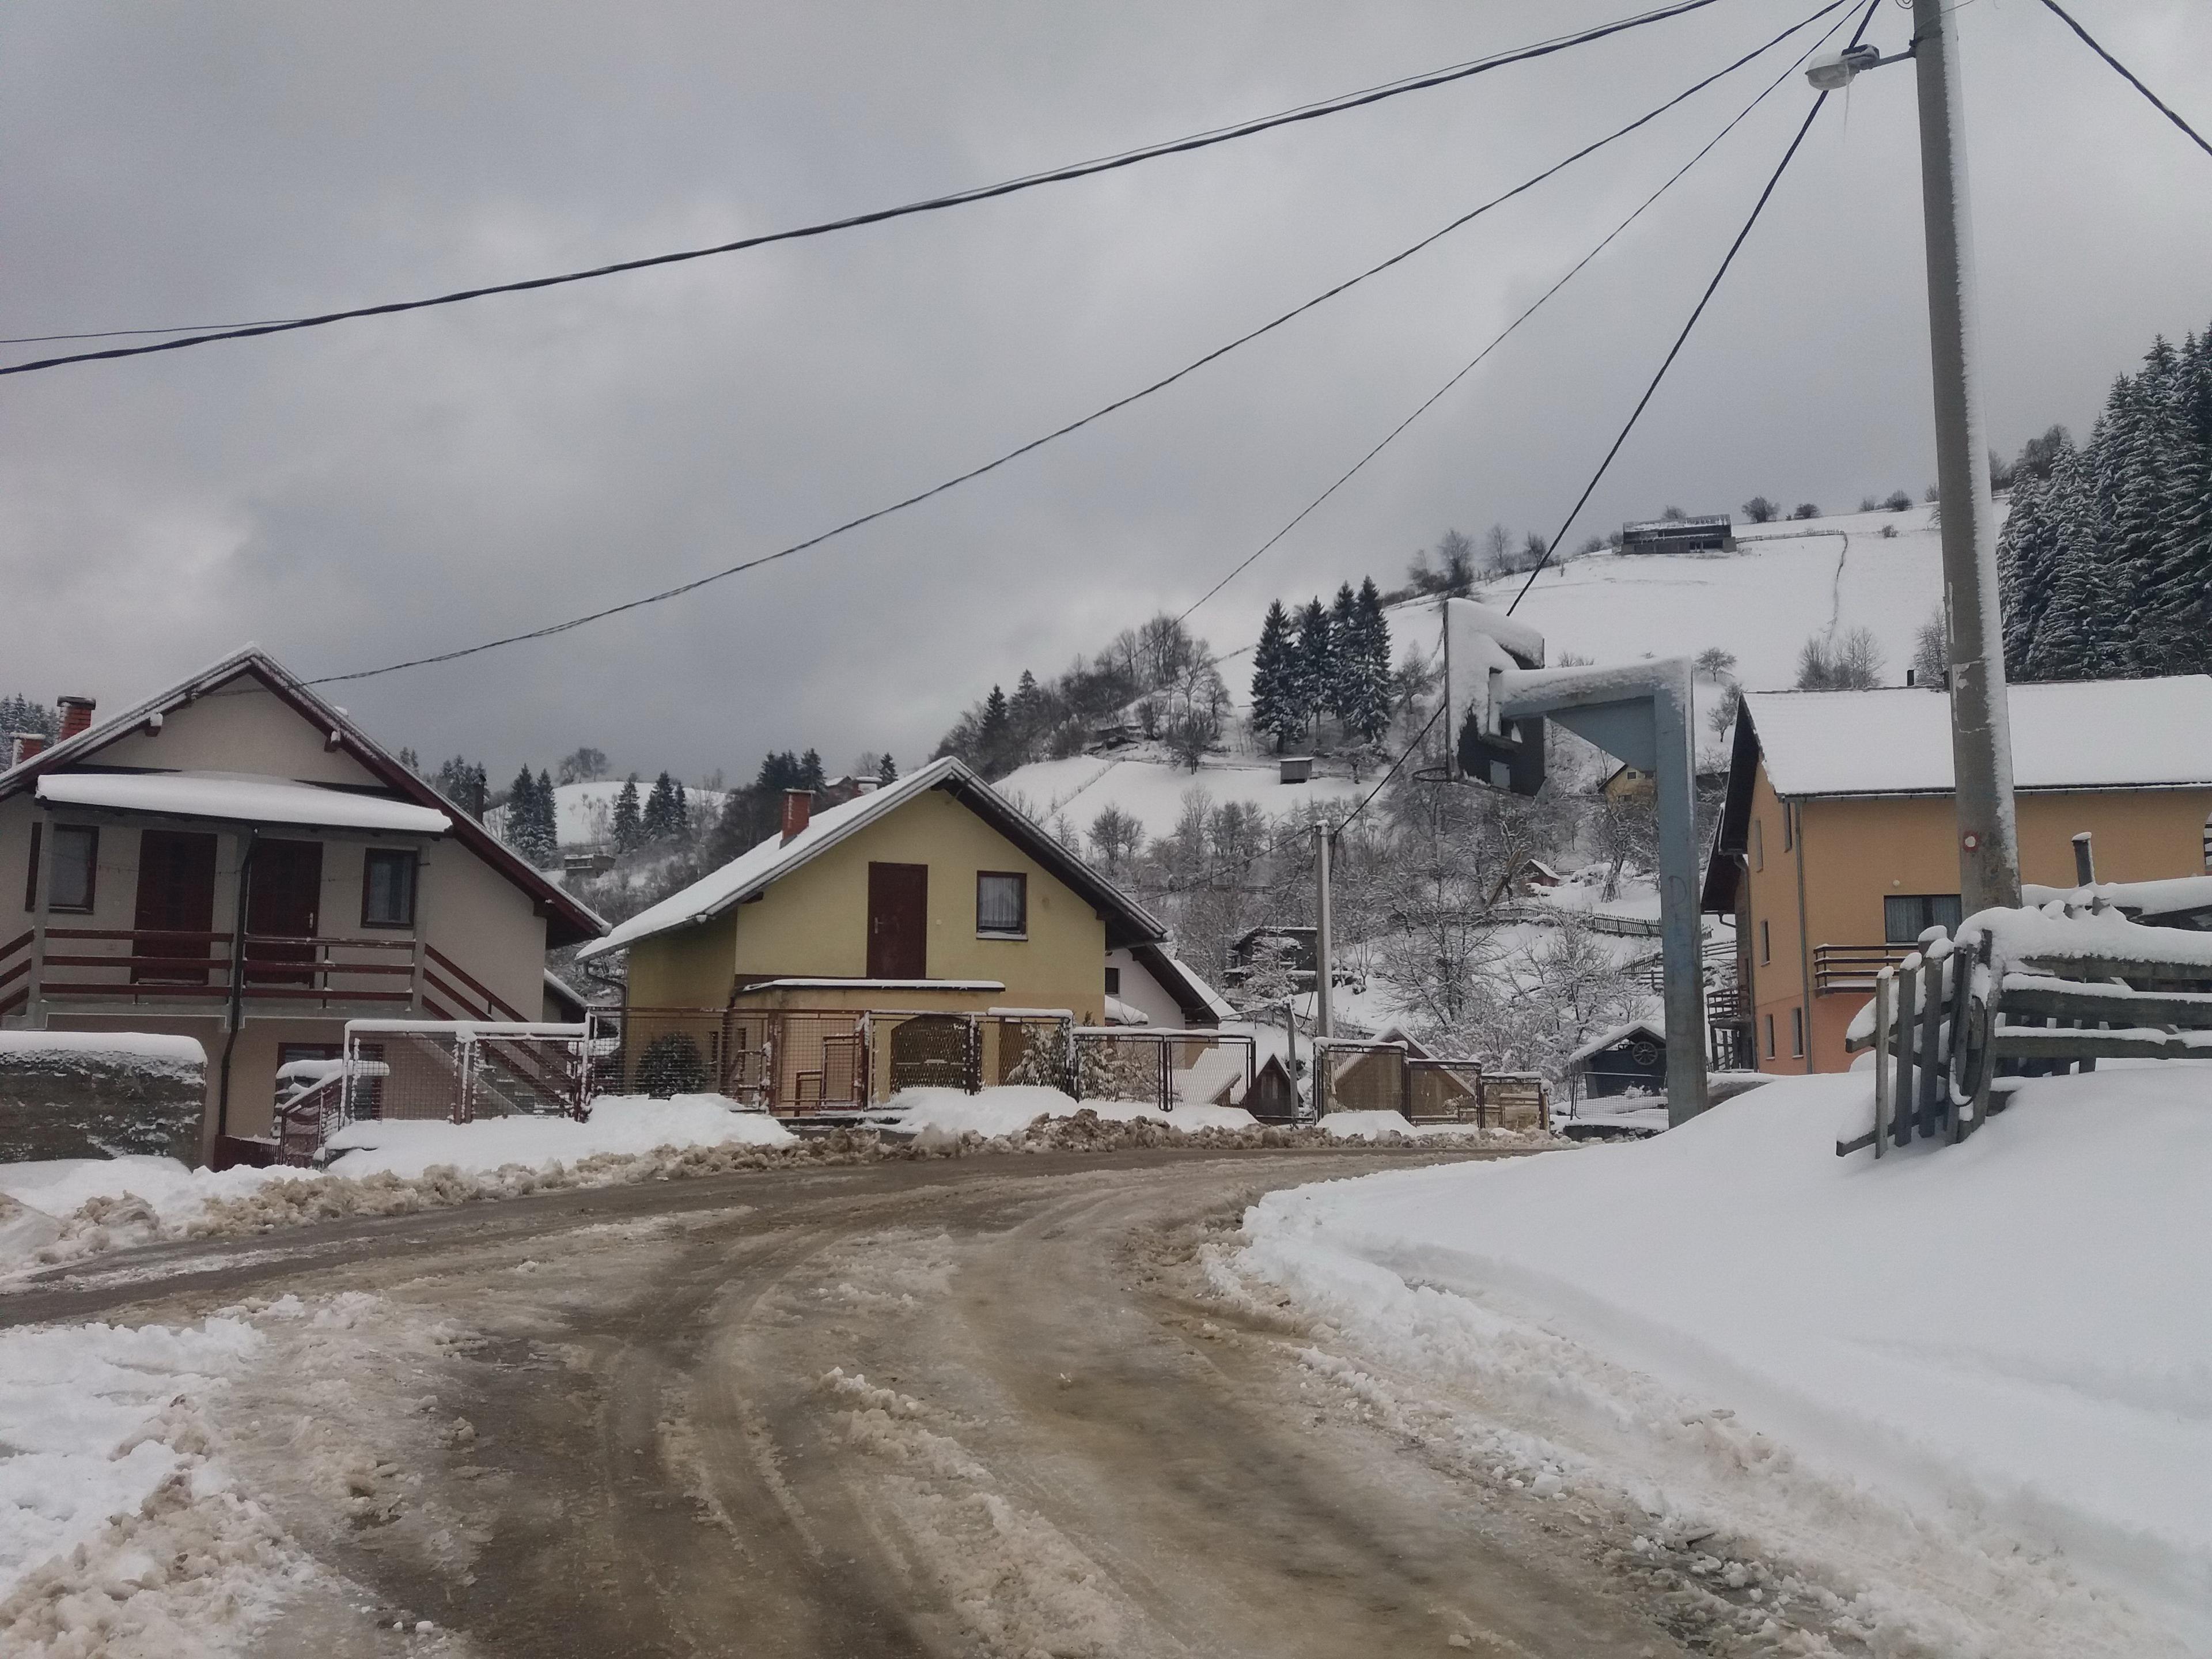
(458,1072)
(1165,1069)
(1354,1076)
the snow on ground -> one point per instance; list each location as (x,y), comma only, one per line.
(1373,1125)
(1150,789)
(1009,1110)
(170,1191)
(146,1048)
(619,1126)
(1784,583)
(118,1536)
(1983,1365)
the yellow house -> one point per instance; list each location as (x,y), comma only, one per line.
(1837,842)
(925,931)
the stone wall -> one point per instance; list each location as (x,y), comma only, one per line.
(99,1094)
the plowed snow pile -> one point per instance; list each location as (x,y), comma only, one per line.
(1998,1352)
(617,1126)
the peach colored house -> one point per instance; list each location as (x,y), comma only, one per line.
(1837,842)
(235,861)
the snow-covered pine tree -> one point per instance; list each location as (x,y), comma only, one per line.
(994,733)
(628,822)
(661,819)
(886,770)
(516,824)
(19,713)
(811,775)
(2027,553)
(682,815)
(1343,672)
(1311,655)
(1271,701)
(545,823)
(1369,652)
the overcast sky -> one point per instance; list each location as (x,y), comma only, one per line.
(379,490)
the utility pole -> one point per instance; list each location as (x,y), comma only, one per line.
(1324,939)
(1981,719)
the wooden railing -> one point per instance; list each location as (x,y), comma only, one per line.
(446,977)
(15,970)
(1853,966)
(164,964)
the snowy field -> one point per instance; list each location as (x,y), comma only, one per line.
(1971,1385)
(1784,583)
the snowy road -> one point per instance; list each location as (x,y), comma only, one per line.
(979,1407)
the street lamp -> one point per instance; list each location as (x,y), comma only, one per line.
(1981,717)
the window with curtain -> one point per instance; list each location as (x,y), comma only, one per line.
(1002,903)
(1906,916)
(387,888)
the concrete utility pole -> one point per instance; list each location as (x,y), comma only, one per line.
(1981,720)
(1324,938)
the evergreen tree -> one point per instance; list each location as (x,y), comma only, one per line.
(811,775)
(1368,716)
(662,817)
(545,825)
(629,824)
(515,828)
(1271,673)
(992,735)
(1344,664)
(1312,657)
(463,782)
(887,770)
(19,713)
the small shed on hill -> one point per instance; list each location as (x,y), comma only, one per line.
(1626,1057)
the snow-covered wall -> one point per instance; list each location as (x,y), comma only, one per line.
(99,1094)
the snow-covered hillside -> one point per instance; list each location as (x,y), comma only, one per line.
(585,812)
(1149,788)
(1784,583)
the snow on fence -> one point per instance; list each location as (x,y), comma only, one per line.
(439,1071)
(1162,1068)
(1351,1075)
(2031,991)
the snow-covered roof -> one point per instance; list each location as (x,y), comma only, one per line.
(236,797)
(2080,734)
(1654,1029)
(754,871)
(1118,1013)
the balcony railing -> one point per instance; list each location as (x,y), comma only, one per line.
(1838,968)
(140,965)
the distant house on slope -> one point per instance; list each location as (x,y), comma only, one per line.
(1838,841)
(925,932)
(1713,534)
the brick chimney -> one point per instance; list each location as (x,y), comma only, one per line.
(77,716)
(798,811)
(21,746)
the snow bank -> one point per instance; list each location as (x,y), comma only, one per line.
(166,1192)
(2005,1340)
(84,1434)
(1009,1110)
(618,1126)
(1374,1126)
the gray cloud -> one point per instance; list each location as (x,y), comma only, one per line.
(384,488)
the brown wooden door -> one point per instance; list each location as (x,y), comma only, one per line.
(176,896)
(898,922)
(284,896)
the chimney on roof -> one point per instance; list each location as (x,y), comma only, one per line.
(76,715)
(21,746)
(798,811)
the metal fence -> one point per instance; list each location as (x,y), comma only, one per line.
(1161,1068)
(1354,1076)
(798,1062)
(458,1071)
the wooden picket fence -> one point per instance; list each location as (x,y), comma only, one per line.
(2027,993)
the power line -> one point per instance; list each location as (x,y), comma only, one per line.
(2128,75)
(1351,817)
(1759,207)
(930,205)
(1122,403)
(1438,395)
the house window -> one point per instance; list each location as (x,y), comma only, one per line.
(1798,1033)
(1769,1037)
(1112,981)
(1766,947)
(1789,828)
(31,877)
(1002,904)
(387,888)
(1759,843)
(1906,916)
(75,867)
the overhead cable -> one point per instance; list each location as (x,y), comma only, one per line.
(1676,350)
(2129,75)
(1016,453)
(1313,111)
(1438,396)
